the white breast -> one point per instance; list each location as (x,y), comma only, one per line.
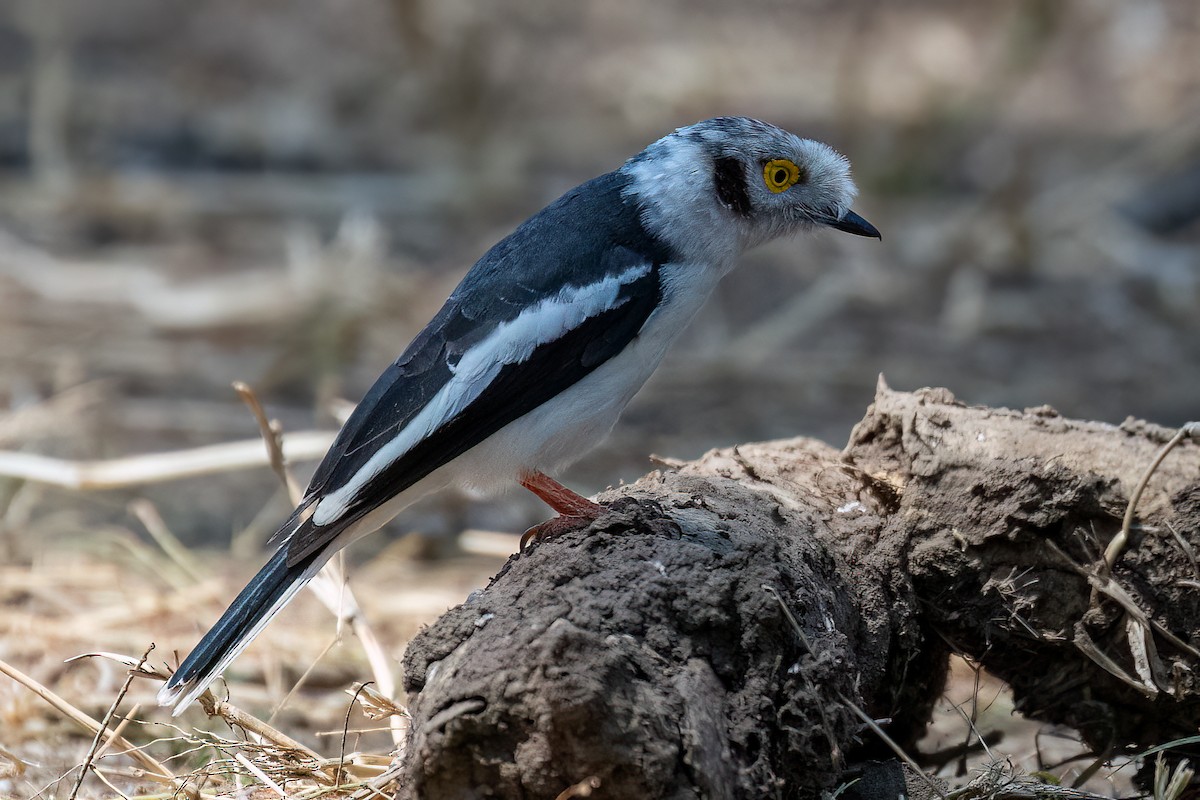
(562,430)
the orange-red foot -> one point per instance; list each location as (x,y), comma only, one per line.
(551,528)
(574,509)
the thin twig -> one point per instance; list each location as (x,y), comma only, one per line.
(235,716)
(342,603)
(891,743)
(971,720)
(112,710)
(1186,548)
(835,748)
(337,776)
(272,435)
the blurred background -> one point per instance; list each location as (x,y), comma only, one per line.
(282,193)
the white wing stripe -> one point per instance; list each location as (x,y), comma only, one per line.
(510,343)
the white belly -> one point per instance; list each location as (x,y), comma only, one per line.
(559,432)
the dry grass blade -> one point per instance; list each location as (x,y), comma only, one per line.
(1168,784)
(18,764)
(1117,545)
(1113,590)
(120,729)
(227,763)
(1184,547)
(155,769)
(1086,645)
(1139,633)
(360,766)
(263,777)
(301,680)
(373,786)
(374,704)
(111,787)
(156,467)
(127,661)
(159,531)
(972,730)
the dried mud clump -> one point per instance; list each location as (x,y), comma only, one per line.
(688,644)
(722,631)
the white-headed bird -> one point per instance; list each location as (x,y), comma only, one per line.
(532,358)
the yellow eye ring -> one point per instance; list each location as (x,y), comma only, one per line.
(780,174)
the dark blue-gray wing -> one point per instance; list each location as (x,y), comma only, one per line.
(403,389)
(460,382)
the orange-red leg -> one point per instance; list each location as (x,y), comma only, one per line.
(574,509)
(560,498)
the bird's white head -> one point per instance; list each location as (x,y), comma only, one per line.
(727,184)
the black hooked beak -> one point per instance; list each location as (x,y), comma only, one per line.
(853,223)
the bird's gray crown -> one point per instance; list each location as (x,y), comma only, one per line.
(725,184)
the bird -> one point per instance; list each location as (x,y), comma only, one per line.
(540,347)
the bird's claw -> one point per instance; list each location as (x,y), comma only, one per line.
(557,526)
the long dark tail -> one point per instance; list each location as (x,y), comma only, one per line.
(269,590)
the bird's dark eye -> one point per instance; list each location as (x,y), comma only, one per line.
(780,174)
